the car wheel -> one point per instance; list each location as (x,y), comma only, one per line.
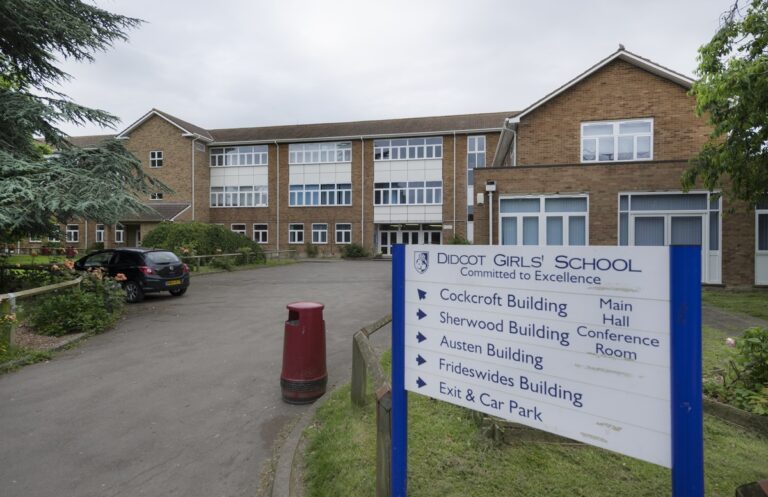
(178,292)
(133,292)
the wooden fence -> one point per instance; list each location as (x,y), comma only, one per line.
(364,361)
(8,301)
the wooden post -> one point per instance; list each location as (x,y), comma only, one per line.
(7,308)
(359,373)
(383,442)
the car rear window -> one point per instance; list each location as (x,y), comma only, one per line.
(161,257)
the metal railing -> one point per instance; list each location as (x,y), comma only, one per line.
(364,361)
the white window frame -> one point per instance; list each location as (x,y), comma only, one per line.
(261,233)
(406,193)
(100,233)
(119,233)
(156,196)
(242,155)
(239,196)
(72,233)
(243,231)
(155,159)
(295,233)
(615,135)
(542,216)
(344,233)
(476,150)
(415,148)
(320,195)
(319,153)
(319,233)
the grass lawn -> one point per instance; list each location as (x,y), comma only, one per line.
(40,259)
(448,456)
(269,263)
(754,302)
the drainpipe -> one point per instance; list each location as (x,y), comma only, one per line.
(362,192)
(454,185)
(277,224)
(193,177)
(490,218)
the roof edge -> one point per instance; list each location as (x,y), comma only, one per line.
(123,135)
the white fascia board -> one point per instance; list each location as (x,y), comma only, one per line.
(357,137)
(186,133)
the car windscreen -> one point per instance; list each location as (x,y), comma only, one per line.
(161,258)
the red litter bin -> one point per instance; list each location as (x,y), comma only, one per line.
(304,375)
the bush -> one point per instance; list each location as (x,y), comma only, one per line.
(458,240)
(199,238)
(744,382)
(310,250)
(93,307)
(222,263)
(353,251)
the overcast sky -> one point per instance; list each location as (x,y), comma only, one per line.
(238,63)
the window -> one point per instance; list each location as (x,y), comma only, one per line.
(99,233)
(35,239)
(73,233)
(544,220)
(320,233)
(320,195)
(408,148)
(119,233)
(239,156)
(260,233)
(156,196)
(617,141)
(343,233)
(238,228)
(156,158)
(239,196)
(475,153)
(408,193)
(317,153)
(295,233)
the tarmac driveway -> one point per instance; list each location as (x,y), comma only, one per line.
(183,396)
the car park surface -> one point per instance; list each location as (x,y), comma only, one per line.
(183,396)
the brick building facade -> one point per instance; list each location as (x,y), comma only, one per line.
(596,162)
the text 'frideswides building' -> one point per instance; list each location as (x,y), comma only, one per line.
(596,162)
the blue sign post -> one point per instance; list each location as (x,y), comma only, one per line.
(622,274)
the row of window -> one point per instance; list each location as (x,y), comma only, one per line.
(408,148)
(325,194)
(255,155)
(408,193)
(72,234)
(317,153)
(319,232)
(239,196)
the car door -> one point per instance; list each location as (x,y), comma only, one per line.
(96,260)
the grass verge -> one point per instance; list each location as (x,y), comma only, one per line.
(748,302)
(268,263)
(15,357)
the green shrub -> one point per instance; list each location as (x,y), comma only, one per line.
(222,263)
(96,246)
(310,250)
(744,381)
(458,240)
(353,251)
(199,238)
(93,307)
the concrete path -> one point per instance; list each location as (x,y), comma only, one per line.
(733,323)
(183,397)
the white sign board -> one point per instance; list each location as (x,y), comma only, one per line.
(571,341)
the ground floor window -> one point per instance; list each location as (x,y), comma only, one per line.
(119,233)
(35,239)
(260,233)
(320,233)
(99,233)
(408,234)
(343,233)
(761,243)
(545,220)
(660,219)
(238,228)
(295,233)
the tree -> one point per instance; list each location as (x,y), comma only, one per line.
(733,92)
(37,191)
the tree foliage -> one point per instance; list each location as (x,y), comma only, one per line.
(733,92)
(38,191)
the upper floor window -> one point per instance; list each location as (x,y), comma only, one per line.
(408,148)
(314,195)
(612,141)
(156,158)
(239,196)
(408,193)
(315,153)
(255,155)
(475,151)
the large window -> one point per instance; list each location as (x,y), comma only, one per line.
(612,141)
(295,233)
(320,195)
(320,233)
(260,233)
(316,153)
(408,148)
(255,155)
(239,196)
(156,158)
(238,228)
(555,220)
(408,193)
(475,154)
(343,233)
(99,233)
(73,233)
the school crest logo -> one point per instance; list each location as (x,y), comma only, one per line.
(421,262)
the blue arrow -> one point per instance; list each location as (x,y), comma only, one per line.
(420,360)
(421,314)
(420,337)
(420,382)
(422,294)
